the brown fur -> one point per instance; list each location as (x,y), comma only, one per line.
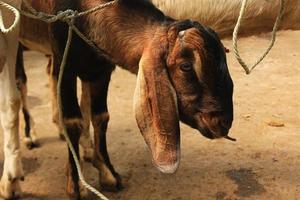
(35,33)
(143,40)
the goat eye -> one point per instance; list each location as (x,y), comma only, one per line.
(186,67)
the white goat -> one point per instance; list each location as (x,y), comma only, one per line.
(222,15)
(9,108)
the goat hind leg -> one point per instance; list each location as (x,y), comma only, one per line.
(109,179)
(73,128)
(85,139)
(30,139)
(72,120)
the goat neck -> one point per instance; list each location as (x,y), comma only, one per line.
(124,30)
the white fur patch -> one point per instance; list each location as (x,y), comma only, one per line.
(181,34)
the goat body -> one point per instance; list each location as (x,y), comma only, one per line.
(222,15)
(182,75)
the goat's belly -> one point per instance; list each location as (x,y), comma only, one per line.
(34,34)
(32,45)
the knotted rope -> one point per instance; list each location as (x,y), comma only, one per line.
(16,20)
(249,69)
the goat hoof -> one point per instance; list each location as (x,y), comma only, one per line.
(22,178)
(30,144)
(111,184)
(84,192)
(10,190)
(62,137)
(73,195)
(73,188)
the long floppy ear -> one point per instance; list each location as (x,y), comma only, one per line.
(156,110)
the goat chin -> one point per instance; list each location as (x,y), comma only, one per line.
(222,15)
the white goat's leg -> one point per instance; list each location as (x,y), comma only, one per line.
(9,115)
(9,111)
(85,139)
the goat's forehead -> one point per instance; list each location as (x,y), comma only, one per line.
(193,38)
(185,47)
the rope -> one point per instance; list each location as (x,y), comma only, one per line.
(69,16)
(71,147)
(17,18)
(249,69)
(62,15)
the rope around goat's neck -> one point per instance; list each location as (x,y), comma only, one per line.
(16,20)
(249,69)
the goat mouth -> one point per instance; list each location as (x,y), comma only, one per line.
(213,135)
(212,132)
(206,130)
(207,133)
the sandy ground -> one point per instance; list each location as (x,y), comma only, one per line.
(263,164)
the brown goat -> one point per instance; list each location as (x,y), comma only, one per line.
(182,75)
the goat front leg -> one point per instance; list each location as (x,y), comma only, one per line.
(72,120)
(9,112)
(85,139)
(109,179)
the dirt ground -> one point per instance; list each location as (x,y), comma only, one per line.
(263,164)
